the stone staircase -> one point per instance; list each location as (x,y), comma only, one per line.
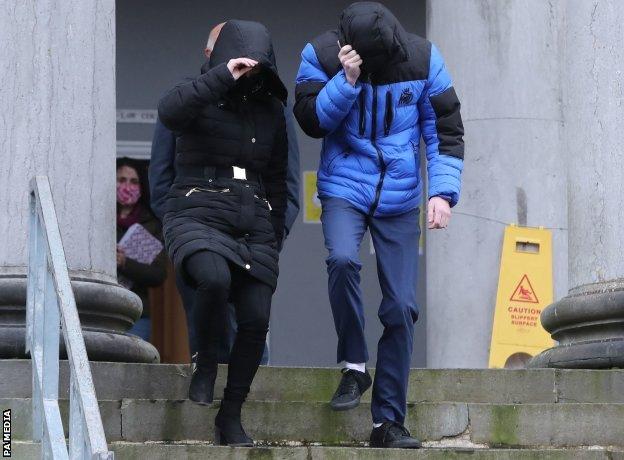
(471,414)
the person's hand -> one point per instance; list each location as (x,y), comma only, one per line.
(240,66)
(121,257)
(351,62)
(439,213)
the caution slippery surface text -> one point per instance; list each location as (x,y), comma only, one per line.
(524,289)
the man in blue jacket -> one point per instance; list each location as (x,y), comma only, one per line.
(161,176)
(371,90)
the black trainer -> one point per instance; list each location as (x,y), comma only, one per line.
(393,435)
(349,392)
(201,389)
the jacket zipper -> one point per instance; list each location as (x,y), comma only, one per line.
(362,114)
(389,113)
(199,189)
(382,163)
(266,201)
(223,190)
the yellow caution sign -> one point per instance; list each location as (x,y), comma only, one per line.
(525,288)
(311,204)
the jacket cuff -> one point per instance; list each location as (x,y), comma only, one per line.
(279,228)
(451,197)
(344,92)
(222,73)
(444,197)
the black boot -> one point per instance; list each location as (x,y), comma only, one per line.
(201,389)
(228,428)
(393,435)
(352,385)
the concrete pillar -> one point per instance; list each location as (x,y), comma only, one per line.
(504,57)
(589,322)
(58,119)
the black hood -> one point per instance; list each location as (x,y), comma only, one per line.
(375,33)
(251,40)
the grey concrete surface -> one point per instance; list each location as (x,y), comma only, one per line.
(594,90)
(196,451)
(21,417)
(115,381)
(283,422)
(504,57)
(58,119)
(589,323)
(552,425)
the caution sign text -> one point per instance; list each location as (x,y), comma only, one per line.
(524,289)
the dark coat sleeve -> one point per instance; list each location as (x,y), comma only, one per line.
(181,105)
(274,179)
(292,178)
(161,168)
(148,275)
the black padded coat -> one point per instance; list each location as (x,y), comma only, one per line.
(220,122)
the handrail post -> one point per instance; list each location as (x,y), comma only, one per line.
(51,312)
(51,334)
(32,267)
(76,433)
(37,328)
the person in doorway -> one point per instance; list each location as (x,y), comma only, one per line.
(225,212)
(161,175)
(133,208)
(371,90)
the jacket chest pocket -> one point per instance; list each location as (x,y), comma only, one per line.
(388,112)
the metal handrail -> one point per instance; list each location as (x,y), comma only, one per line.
(50,304)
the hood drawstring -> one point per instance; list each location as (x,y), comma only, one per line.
(389,113)
(362,112)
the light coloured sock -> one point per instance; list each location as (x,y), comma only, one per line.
(361,367)
(377,425)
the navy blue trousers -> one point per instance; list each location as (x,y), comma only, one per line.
(395,240)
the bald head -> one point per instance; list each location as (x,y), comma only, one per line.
(212,38)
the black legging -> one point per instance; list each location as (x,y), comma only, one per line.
(217,283)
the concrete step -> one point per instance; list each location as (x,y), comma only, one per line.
(472,424)
(192,451)
(168,381)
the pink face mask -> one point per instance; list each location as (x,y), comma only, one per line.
(128,194)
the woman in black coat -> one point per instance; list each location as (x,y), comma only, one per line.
(225,211)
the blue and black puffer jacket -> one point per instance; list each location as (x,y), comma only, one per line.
(372,130)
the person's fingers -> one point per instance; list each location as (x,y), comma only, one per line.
(243,70)
(345,59)
(244,62)
(350,55)
(437,218)
(344,50)
(354,58)
(430,209)
(355,63)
